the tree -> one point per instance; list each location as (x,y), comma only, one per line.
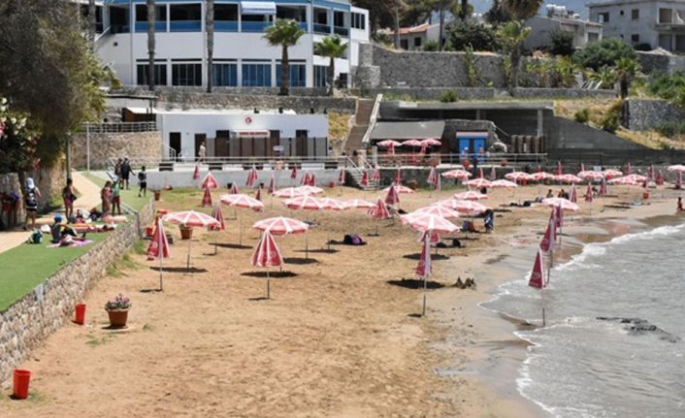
(605,76)
(381,12)
(209,27)
(512,36)
(331,47)
(522,9)
(607,52)
(497,14)
(284,33)
(562,42)
(92,24)
(151,44)
(626,69)
(478,36)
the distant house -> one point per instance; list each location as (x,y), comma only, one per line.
(558,18)
(415,38)
(659,23)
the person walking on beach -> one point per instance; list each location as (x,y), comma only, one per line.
(116,199)
(117,169)
(68,196)
(202,153)
(489,221)
(142,182)
(126,171)
(31,203)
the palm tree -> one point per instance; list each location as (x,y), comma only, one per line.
(284,33)
(605,76)
(626,68)
(209,27)
(522,9)
(331,47)
(512,35)
(91,24)
(151,44)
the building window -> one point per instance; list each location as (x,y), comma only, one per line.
(635,14)
(320,75)
(186,74)
(225,74)
(665,16)
(635,39)
(358,21)
(592,37)
(298,74)
(342,81)
(603,17)
(185,18)
(621,13)
(160,74)
(257,74)
(417,42)
(665,42)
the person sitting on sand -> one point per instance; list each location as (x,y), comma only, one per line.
(550,193)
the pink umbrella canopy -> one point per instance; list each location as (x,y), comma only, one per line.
(429,222)
(281,226)
(379,210)
(209,182)
(537,275)
(309,189)
(412,143)
(219,216)
(333,204)
(457,174)
(312,180)
(390,145)
(190,218)
(358,204)
(196,172)
(304,181)
(478,183)
(438,210)
(609,173)
(399,189)
(541,176)
(518,176)
(463,206)
(242,201)
(431,142)
(267,253)
(207,198)
(252,177)
(568,178)
(565,204)
(503,183)
(392,197)
(304,203)
(591,175)
(234,189)
(470,195)
(629,180)
(289,192)
(677,167)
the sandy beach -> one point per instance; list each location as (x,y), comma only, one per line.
(340,338)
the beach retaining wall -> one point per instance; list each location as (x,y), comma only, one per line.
(114,145)
(27,323)
(49,181)
(644,115)
(160,180)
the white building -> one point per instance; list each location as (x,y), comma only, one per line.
(559,18)
(659,23)
(416,37)
(242,57)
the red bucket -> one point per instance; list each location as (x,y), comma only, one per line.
(149,230)
(21,384)
(80,311)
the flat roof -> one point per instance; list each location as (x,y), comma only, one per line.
(468,105)
(408,130)
(146,111)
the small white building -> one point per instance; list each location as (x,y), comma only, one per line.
(242,57)
(559,18)
(659,23)
(416,37)
(238,133)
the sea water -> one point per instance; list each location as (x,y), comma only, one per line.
(579,366)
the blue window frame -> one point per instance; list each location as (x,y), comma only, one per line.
(298,75)
(320,75)
(225,74)
(256,74)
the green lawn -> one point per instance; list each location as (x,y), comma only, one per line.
(28,265)
(129,197)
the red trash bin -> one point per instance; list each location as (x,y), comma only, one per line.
(80,311)
(21,384)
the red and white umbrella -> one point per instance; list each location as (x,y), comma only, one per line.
(376,174)
(341,176)
(541,176)
(159,248)
(234,189)
(503,183)
(591,175)
(258,195)
(457,174)
(549,239)
(365,179)
(390,145)
(629,180)
(207,198)
(437,210)
(518,176)
(252,177)
(304,203)
(272,185)
(293,172)
(399,189)
(412,143)
(379,210)
(470,195)
(589,195)
(242,201)
(432,176)
(267,254)
(219,216)
(310,190)
(537,275)
(190,218)
(677,167)
(196,172)
(463,206)
(429,222)
(392,197)
(431,142)
(610,173)
(332,204)
(312,180)
(568,178)
(565,204)
(290,192)
(304,181)
(281,226)
(358,204)
(478,183)
(209,182)
(573,194)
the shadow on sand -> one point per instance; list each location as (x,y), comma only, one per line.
(434,257)
(300,260)
(272,274)
(179,269)
(231,246)
(415,284)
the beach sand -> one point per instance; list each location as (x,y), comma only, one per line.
(341,338)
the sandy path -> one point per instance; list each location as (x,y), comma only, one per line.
(337,340)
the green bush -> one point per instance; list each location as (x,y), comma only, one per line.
(610,122)
(668,86)
(671,129)
(480,37)
(562,42)
(583,115)
(431,46)
(607,52)
(448,96)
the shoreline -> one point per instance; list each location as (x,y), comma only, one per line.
(495,352)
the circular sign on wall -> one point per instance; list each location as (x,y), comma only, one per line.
(248,120)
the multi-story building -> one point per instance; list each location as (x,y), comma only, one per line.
(659,23)
(559,18)
(242,57)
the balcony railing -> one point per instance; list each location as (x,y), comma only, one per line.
(339,30)
(123,127)
(142,26)
(185,26)
(226,26)
(255,26)
(120,29)
(322,28)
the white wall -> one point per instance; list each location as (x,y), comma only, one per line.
(623,26)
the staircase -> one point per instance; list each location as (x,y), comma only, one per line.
(361,124)
(354,176)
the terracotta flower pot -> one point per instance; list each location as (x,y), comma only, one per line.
(117,319)
(157,193)
(186,233)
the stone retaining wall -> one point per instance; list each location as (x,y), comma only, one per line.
(484,93)
(28,322)
(114,145)
(644,115)
(49,181)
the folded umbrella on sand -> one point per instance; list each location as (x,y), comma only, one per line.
(267,254)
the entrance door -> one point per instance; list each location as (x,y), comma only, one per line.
(221,143)
(274,141)
(199,139)
(175,142)
(301,143)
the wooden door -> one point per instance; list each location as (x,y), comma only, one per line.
(175,142)
(301,143)
(221,143)
(274,140)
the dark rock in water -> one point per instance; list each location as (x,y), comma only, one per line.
(637,326)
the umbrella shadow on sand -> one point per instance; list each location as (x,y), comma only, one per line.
(300,260)
(179,269)
(231,246)
(434,257)
(415,284)
(319,251)
(273,274)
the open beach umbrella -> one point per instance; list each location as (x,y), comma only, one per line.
(503,183)
(280,225)
(610,173)
(244,202)
(677,167)
(429,222)
(390,145)
(190,219)
(196,172)
(333,205)
(209,182)
(289,192)
(591,175)
(392,197)
(470,195)
(305,202)
(378,211)
(518,176)
(412,143)
(267,254)
(463,206)
(478,183)
(207,198)
(457,174)
(399,189)
(430,142)
(358,204)
(252,177)
(629,180)
(568,178)
(541,176)
(310,190)
(159,248)
(564,204)
(437,210)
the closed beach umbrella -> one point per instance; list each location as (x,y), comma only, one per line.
(272,185)
(589,197)
(159,248)
(190,219)
(196,172)
(358,204)
(432,176)
(209,182)
(219,216)
(457,174)
(629,169)
(304,181)
(549,238)
(573,194)
(537,280)
(560,169)
(376,174)
(392,197)
(267,254)
(258,195)
(293,172)
(252,177)
(365,179)
(379,211)
(470,195)
(341,177)
(234,189)
(207,198)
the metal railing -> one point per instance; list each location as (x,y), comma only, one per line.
(121,127)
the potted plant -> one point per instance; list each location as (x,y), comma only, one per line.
(117,309)
(158,194)
(186,232)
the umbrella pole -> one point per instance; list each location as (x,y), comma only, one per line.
(268,285)
(306,245)
(425,286)
(188,259)
(542,299)
(240,232)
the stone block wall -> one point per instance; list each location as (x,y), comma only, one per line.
(643,115)
(114,145)
(49,181)
(28,322)
(657,63)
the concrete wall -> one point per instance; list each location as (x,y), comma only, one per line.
(643,115)
(28,322)
(657,63)
(159,180)
(119,145)
(569,135)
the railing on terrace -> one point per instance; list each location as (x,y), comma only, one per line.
(342,31)
(160,26)
(226,26)
(122,127)
(185,26)
(255,26)
(322,28)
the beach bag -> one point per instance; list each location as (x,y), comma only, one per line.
(353,239)
(36,237)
